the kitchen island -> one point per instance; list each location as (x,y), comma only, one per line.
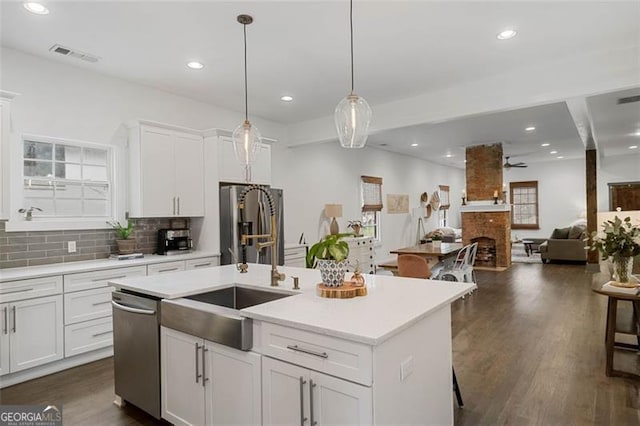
(384,358)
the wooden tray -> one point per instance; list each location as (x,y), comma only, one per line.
(630,284)
(346,291)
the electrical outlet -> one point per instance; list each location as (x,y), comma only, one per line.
(71,246)
(406,368)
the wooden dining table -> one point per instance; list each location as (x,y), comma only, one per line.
(442,254)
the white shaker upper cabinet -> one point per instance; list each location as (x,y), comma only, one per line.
(5,134)
(230,170)
(166,169)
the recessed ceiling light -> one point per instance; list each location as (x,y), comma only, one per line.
(633,147)
(506,34)
(286,98)
(545,144)
(560,157)
(553,152)
(414,144)
(449,155)
(195,65)
(637,133)
(35,7)
(530,128)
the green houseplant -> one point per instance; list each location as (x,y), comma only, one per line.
(620,242)
(125,245)
(329,255)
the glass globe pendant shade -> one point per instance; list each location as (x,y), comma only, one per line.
(246,143)
(353,117)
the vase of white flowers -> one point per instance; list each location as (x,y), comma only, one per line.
(621,242)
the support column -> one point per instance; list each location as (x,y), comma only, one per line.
(592,204)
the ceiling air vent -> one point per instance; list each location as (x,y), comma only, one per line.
(56,48)
(629,99)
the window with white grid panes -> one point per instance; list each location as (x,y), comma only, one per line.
(67,179)
(524,205)
(371,192)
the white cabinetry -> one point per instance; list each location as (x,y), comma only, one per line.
(362,251)
(230,170)
(205,262)
(166,170)
(296,395)
(5,135)
(162,268)
(206,383)
(295,255)
(87,308)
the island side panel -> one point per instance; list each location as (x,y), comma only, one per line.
(423,354)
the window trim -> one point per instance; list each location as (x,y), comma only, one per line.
(525,184)
(16,220)
(444,192)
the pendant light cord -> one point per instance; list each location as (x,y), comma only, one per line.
(246,97)
(351,31)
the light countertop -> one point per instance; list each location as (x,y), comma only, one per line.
(12,274)
(392,303)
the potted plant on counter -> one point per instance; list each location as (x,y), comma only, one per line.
(125,244)
(436,240)
(620,241)
(356,225)
(330,256)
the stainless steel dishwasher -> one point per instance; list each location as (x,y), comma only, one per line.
(136,350)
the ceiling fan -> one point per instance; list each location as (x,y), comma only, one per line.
(508,165)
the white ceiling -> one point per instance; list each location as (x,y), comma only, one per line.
(301,48)
(616,126)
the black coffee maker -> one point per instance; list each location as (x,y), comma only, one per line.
(174,241)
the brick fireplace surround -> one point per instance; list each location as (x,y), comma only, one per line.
(483,177)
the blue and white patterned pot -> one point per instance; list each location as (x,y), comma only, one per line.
(332,272)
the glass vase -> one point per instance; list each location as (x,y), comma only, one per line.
(622,268)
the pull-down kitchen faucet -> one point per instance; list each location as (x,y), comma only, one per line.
(273,237)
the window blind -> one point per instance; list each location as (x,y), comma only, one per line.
(371,193)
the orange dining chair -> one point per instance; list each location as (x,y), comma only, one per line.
(413,266)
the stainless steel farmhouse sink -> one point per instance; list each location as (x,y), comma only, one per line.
(238,297)
(230,329)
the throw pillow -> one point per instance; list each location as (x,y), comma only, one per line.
(575,232)
(560,233)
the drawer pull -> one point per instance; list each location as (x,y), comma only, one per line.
(102,334)
(17,291)
(303,419)
(101,303)
(95,280)
(202,264)
(169,269)
(308,351)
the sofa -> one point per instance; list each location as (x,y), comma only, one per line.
(565,244)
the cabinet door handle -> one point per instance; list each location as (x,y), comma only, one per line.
(108,278)
(308,351)
(168,269)
(101,303)
(303,419)
(198,375)
(13,309)
(199,265)
(174,205)
(6,320)
(311,386)
(178,205)
(204,374)
(102,334)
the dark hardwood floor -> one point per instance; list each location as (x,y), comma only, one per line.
(528,349)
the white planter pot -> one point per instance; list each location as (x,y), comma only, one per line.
(332,272)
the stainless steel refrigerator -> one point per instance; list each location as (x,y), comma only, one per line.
(257,220)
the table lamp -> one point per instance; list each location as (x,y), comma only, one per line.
(333,211)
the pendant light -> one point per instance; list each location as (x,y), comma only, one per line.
(353,114)
(246,137)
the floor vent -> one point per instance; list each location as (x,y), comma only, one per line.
(629,99)
(65,51)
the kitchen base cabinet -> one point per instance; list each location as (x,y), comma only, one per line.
(36,332)
(4,339)
(296,395)
(206,383)
(181,378)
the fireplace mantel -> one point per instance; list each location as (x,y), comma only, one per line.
(484,207)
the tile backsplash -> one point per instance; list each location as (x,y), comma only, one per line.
(45,247)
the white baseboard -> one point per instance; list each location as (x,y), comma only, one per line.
(54,367)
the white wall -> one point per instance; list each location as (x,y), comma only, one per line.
(561,193)
(562,188)
(319,174)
